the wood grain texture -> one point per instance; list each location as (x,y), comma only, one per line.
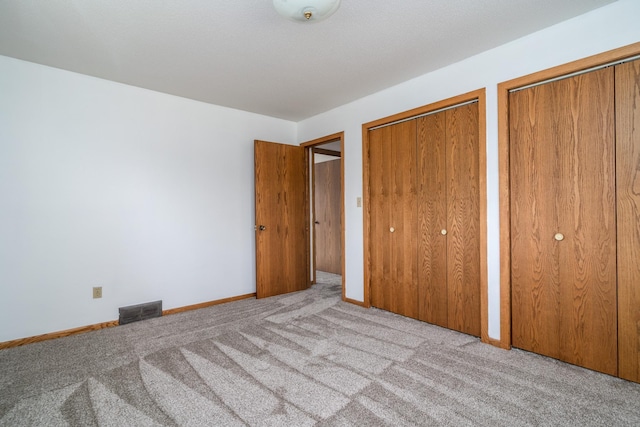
(281,201)
(368,169)
(588,335)
(327,152)
(431,215)
(366,213)
(338,136)
(504,166)
(574,66)
(535,184)
(463,219)
(432,218)
(445,103)
(392,194)
(380,218)
(628,217)
(327,190)
(355,302)
(562,181)
(404,219)
(504,187)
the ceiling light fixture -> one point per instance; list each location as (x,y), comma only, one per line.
(306,10)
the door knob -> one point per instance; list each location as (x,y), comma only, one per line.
(559,236)
(262,228)
(317,222)
(392,229)
(443,232)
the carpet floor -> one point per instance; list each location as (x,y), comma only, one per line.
(300,359)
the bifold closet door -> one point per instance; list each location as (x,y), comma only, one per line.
(563,220)
(628,214)
(463,219)
(449,219)
(393,218)
(433,292)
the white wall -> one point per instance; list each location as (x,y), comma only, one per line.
(604,29)
(151,196)
(145,194)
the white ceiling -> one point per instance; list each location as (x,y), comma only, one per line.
(242,54)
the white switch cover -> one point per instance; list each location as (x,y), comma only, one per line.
(359,202)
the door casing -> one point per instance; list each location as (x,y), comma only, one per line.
(308,145)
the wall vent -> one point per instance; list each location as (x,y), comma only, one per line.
(134,313)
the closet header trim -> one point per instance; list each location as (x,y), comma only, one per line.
(439,110)
(577,73)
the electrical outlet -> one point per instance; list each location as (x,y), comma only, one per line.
(97,292)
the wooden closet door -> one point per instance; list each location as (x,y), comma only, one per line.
(563,223)
(628,212)
(463,219)
(380,217)
(432,219)
(535,186)
(392,160)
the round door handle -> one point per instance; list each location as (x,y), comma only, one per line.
(443,232)
(317,222)
(262,228)
(559,237)
(392,229)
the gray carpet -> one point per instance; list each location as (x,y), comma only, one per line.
(298,360)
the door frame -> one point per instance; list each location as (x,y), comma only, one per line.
(312,191)
(309,145)
(560,71)
(480,96)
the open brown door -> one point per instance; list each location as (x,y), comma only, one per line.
(282,219)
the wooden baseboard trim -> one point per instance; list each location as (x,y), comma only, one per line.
(355,302)
(98,326)
(59,334)
(206,304)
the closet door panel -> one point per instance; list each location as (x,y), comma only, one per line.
(380,217)
(432,218)
(563,220)
(628,212)
(404,219)
(534,177)
(393,219)
(587,219)
(463,219)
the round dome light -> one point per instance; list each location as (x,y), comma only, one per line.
(306,10)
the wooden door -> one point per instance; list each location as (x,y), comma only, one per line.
(327,189)
(463,219)
(432,219)
(628,215)
(392,160)
(282,219)
(563,237)
(449,219)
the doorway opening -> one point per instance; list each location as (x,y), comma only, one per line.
(326,207)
